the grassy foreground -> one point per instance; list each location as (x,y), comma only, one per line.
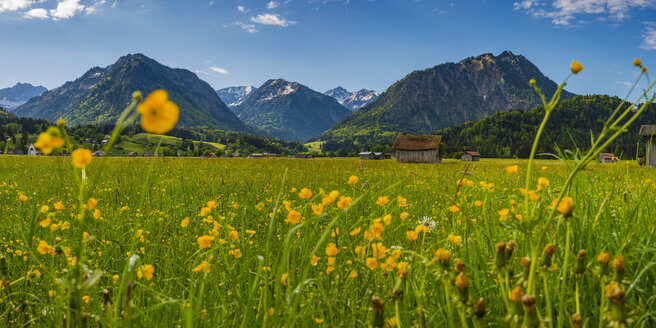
(239,242)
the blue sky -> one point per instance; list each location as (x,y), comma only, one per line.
(325,43)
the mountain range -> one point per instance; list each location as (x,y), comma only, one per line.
(352,100)
(290,110)
(423,101)
(12,97)
(101,94)
(234,96)
(445,95)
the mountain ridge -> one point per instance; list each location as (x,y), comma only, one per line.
(101,94)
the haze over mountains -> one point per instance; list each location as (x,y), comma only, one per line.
(290,110)
(12,97)
(421,102)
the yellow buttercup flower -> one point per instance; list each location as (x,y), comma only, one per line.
(49,140)
(44,248)
(59,205)
(283,279)
(512,169)
(205,241)
(317,209)
(91,204)
(566,206)
(234,235)
(576,67)
(353,180)
(22,198)
(381,201)
(331,249)
(158,113)
(305,193)
(637,62)
(202,267)
(372,263)
(293,217)
(146,271)
(81,157)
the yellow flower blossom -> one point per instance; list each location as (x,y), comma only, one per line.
(381,201)
(331,249)
(146,271)
(205,241)
(49,140)
(81,157)
(305,193)
(158,113)
(43,248)
(576,67)
(293,217)
(372,263)
(353,180)
(512,169)
(184,223)
(202,267)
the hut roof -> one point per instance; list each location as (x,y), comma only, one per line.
(647,130)
(411,142)
(473,153)
(607,155)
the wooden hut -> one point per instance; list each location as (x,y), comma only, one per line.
(607,158)
(470,156)
(648,133)
(132,154)
(417,149)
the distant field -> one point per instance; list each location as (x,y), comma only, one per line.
(259,261)
(315,146)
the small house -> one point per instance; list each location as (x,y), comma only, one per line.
(31,151)
(648,133)
(149,153)
(371,155)
(607,158)
(235,155)
(132,154)
(270,155)
(256,155)
(417,148)
(304,156)
(470,156)
(98,153)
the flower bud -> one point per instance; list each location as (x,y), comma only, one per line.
(463,284)
(525,263)
(399,288)
(530,313)
(61,123)
(637,62)
(378,308)
(459,265)
(137,96)
(547,254)
(576,67)
(500,256)
(532,82)
(577,322)
(580,262)
(603,258)
(619,264)
(479,309)
(566,206)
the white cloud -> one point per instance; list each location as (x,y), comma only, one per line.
(13,5)
(242,9)
(272,4)
(250,28)
(211,3)
(649,39)
(66,9)
(36,13)
(93,8)
(114,4)
(562,12)
(219,70)
(271,19)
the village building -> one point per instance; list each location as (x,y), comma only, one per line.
(648,133)
(371,155)
(304,156)
(31,150)
(98,153)
(256,155)
(417,148)
(270,155)
(235,155)
(606,158)
(149,153)
(132,154)
(470,156)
